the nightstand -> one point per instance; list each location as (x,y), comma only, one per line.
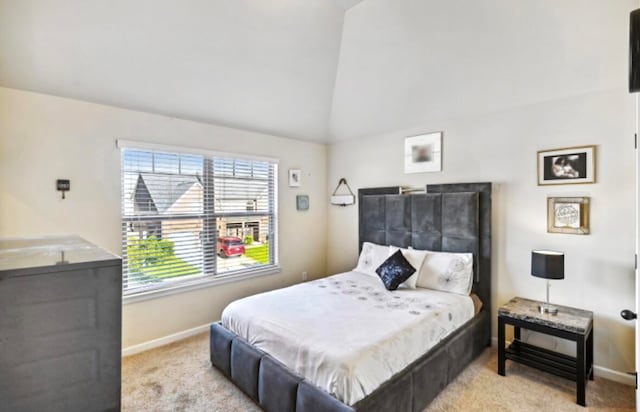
(570,323)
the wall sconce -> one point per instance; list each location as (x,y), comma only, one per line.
(63,185)
(343,199)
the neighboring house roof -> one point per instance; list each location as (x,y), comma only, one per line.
(167,194)
(162,190)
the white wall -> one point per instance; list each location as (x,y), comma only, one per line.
(502,80)
(43,138)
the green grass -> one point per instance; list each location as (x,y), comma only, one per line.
(161,263)
(259,253)
(170,267)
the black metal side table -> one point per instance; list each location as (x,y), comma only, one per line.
(570,323)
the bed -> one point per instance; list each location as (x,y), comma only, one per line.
(263,356)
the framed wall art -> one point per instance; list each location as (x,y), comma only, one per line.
(295,177)
(423,153)
(568,215)
(570,165)
(302,202)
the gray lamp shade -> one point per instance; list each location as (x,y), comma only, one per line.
(547,264)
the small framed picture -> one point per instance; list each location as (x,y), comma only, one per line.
(568,215)
(302,202)
(295,178)
(423,153)
(571,165)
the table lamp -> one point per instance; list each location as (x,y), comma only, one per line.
(547,264)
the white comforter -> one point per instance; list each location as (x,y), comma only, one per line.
(346,333)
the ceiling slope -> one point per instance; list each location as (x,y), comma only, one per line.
(347,4)
(260,65)
(272,66)
(407,64)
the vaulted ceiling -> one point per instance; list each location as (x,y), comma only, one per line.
(411,64)
(347,4)
(260,65)
(318,70)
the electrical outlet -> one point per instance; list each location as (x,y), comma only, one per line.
(305,275)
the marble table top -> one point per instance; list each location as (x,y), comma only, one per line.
(23,256)
(569,319)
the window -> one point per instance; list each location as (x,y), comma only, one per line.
(190,218)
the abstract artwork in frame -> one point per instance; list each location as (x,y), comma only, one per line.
(571,165)
(568,215)
(423,153)
(295,178)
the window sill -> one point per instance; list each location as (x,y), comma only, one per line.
(200,283)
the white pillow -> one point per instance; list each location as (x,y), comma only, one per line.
(416,258)
(371,257)
(448,272)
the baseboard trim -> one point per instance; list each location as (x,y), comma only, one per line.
(616,376)
(156,343)
(599,371)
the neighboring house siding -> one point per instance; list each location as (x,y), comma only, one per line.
(187,229)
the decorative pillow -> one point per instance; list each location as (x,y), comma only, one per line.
(395,270)
(371,257)
(448,272)
(416,258)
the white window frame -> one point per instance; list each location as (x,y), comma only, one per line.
(206,281)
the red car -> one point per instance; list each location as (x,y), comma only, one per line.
(230,246)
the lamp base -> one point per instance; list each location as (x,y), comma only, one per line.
(546,308)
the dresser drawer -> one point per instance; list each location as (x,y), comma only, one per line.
(47,287)
(60,340)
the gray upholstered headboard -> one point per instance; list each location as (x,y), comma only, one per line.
(448,218)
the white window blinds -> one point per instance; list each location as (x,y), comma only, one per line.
(189,216)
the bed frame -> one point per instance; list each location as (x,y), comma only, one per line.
(450,217)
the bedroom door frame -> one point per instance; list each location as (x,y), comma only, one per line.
(637,271)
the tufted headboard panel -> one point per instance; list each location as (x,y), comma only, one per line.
(448,218)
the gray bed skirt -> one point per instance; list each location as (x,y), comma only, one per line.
(276,388)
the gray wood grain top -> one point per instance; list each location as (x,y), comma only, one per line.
(568,318)
(33,255)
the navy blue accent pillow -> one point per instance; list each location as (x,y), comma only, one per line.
(395,270)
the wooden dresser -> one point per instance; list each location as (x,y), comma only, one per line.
(60,325)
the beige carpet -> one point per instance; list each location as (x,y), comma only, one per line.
(179,377)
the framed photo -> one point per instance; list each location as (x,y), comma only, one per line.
(423,153)
(302,202)
(568,215)
(295,178)
(571,165)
